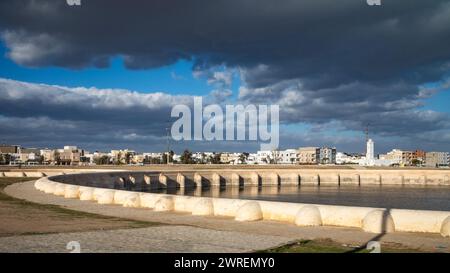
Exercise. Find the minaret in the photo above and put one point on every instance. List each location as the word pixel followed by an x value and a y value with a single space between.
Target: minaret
pixel 370 150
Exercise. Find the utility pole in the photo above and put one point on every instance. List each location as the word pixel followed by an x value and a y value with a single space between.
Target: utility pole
pixel 366 131
pixel 275 156
pixel 168 146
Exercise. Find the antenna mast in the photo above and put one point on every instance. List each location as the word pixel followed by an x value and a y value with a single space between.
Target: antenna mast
pixel 168 146
pixel 366 132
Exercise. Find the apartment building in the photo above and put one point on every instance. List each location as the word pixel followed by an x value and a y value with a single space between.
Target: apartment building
pixel 9 149
pixel 419 156
pixel 122 156
pixel 327 155
pixel 436 159
pixel 230 158
pixel 400 157
pixel 308 155
pixel 70 155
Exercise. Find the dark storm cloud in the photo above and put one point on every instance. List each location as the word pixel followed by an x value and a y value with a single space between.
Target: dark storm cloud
pixel 321 61
pixel 390 109
pixel 53 116
pixel 30 113
pixel 325 42
pixel 117 107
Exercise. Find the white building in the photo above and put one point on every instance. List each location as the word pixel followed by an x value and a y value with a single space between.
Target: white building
pixel 176 158
pixel 264 157
pixel 153 155
pixel 231 158
pixel 202 157
pixel 252 158
pixel 48 156
pixel 343 158
pixel 370 150
pixel 395 155
pixel 289 156
pixel 370 159
pixel 88 158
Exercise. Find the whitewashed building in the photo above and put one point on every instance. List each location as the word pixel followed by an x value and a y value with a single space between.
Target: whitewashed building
pixel 370 160
pixel 343 158
pixel 288 156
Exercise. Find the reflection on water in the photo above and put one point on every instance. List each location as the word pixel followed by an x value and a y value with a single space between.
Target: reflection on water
pixel 402 197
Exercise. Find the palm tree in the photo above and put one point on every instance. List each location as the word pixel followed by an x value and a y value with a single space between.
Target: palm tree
pixel 186 157
pixel 242 158
pixel 215 159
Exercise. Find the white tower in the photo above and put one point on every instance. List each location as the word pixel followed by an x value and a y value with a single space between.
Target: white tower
pixel 370 150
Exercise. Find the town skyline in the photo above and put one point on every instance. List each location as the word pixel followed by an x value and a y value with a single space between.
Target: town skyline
pixel 181 148
pixel 74 155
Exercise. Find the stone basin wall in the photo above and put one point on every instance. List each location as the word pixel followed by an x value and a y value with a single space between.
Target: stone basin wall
pixel 211 177
pixel 376 220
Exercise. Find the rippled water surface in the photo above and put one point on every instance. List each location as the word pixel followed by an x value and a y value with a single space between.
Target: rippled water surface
pixel 402 197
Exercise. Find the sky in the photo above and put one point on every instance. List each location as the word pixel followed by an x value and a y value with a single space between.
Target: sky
pixel 106 74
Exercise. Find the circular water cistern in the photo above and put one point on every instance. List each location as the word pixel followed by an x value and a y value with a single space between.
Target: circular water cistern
pixel 132 201
pixel 105 196
pixel 203 207
pixel 60 189
pixel 71 191
pixel 120 197
pixel 250 211
pixel 148 200
pixel 378 221
pixel 86 193
pixel 39 184
pixel 49 187
pixel 164 203
pixel 308 216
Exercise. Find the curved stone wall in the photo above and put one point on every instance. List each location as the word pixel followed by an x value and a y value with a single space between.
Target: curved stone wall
pixel 111 189
pixel 36 173
pixel 237 176
pixel 270 176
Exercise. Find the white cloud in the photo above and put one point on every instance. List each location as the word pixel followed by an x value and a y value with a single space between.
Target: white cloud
pixel 90 98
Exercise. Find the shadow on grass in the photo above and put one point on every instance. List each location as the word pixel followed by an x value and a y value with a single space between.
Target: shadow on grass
pixel 377 237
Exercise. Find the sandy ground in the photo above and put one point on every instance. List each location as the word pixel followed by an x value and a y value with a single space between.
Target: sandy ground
pixel 166 239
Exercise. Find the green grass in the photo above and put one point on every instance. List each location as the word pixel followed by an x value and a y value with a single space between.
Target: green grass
pixel 329 246
pixel 5 181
